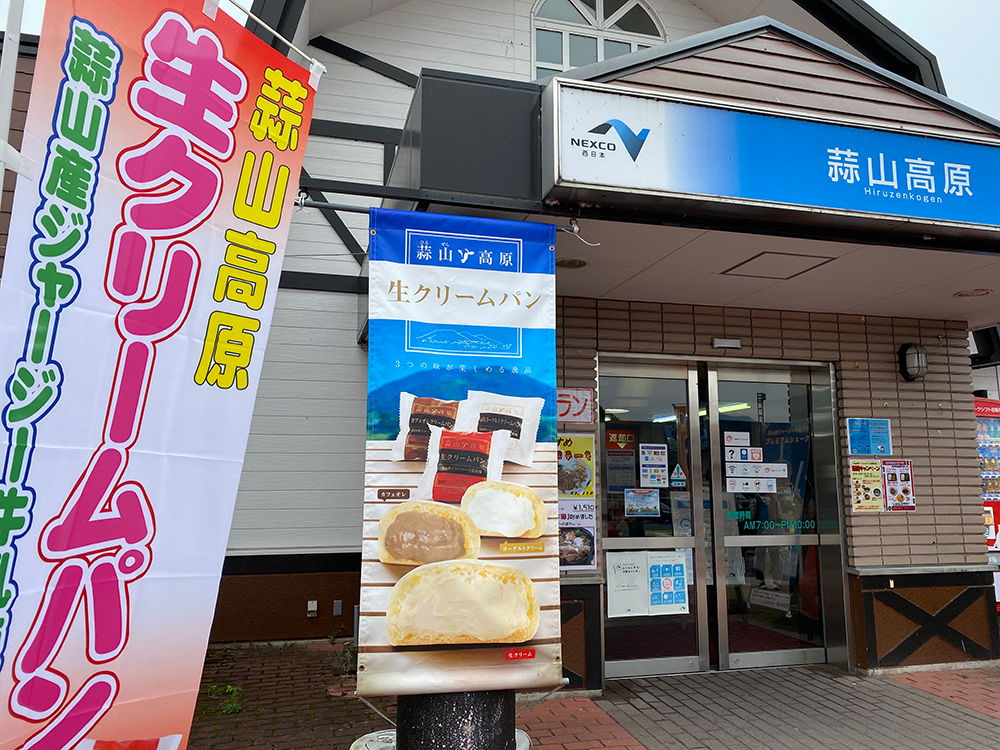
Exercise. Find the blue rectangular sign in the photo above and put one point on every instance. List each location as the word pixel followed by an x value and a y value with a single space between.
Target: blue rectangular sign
pixel 658 145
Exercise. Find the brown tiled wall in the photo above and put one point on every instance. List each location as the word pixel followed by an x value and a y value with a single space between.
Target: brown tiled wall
pixel 932 421
pixel 22 86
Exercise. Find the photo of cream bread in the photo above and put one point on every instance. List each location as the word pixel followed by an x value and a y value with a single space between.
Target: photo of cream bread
pixel 505 509
pixel 417 533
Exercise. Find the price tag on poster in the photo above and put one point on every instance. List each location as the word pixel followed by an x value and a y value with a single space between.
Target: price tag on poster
pixel 867 490
pixel 654 470
pixel 897 476
pixel 577 535
pixel 576 465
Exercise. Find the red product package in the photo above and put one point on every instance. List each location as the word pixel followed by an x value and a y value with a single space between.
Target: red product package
pixel 458 460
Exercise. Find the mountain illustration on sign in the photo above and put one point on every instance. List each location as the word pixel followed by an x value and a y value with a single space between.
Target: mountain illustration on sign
pixel 470 342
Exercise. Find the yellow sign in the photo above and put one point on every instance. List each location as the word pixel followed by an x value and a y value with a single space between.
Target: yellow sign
pixel 576 465
pixel 867 489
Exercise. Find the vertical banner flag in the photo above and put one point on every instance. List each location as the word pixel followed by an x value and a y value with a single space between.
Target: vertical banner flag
pixel 139 282
pixel 460 557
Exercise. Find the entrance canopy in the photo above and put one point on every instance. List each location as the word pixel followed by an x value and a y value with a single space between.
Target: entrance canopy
pixel 751 166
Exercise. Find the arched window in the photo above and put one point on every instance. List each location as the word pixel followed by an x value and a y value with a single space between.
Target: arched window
pixel 571 33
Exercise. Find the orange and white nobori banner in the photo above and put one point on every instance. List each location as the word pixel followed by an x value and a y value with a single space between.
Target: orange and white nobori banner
pixel 139 283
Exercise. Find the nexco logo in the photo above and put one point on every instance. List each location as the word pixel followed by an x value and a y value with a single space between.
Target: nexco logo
pixel 633 142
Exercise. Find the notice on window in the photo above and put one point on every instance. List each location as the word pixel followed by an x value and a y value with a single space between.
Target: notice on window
pixel 647 583
pixel 628 586
pixel 736 438
pixel 869 437
pixel 620 465
pixel 743 454
pixel 654 470
pixel 577 535
pixel 867 490
pixel 642 503
pixel 576 465
pixel 897 475
pixel 667 583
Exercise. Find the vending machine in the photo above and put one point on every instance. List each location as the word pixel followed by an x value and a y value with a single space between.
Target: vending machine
pixel 988 438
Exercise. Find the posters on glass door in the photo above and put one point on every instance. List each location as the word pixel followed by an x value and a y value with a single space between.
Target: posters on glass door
pixel 642 503
pixel 576 465
pixel 620 446
pixel 654 469
pixel 649 582
pixel 577 534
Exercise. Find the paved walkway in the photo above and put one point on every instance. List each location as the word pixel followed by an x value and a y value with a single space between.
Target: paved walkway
pixel 294 697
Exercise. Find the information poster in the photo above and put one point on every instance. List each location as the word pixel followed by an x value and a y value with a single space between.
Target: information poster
pixel 898 478
pixel 736 439
pixel 462 437
pixel 642 503
pixel 139 283
pixel 577 535
pixel 654 469
pixel 576 465
pixel 668 593
pixel 620 467
pixel 867 490
pixel 651 582
pixel 869 437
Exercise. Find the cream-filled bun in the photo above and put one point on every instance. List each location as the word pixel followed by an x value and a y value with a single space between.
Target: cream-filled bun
pixel 462 601
pixel 505 509
pixel 417 533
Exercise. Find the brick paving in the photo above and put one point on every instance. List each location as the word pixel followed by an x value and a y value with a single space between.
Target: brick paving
pixel 296 696
pixel 794 708
pixel 978 689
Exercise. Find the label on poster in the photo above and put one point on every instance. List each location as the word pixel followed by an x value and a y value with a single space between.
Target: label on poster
pixel 575 405
pixel 576 465
pixel 736 438
pixel 654 471
pixel 139 283
pixel 756 470
pixel 743 454
pixel 620 468
pixel 869 437
pixel 761 485
pixel 647 583
pixel 897 475
pixel 642 503
pixel 678 480
pixel 462 414
pixel 577 535
pixel 668 594
pixel 867 489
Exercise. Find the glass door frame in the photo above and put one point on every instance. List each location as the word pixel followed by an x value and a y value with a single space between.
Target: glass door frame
pixel 675 370
pixel 829 537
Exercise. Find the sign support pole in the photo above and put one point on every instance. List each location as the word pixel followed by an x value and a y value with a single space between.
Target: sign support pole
pixel 456 721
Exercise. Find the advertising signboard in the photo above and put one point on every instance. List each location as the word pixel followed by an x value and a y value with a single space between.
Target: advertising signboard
pixel 460 554
pixel 600 137
pixel 139 284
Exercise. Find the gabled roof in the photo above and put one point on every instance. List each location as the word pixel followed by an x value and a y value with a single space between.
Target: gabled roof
pixel 764 64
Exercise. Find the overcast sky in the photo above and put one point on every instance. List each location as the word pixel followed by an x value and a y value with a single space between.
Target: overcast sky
pixel 963 36
pixel 962 33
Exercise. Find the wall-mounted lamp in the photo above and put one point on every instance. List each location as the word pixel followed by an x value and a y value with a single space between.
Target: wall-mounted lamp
pixel 912 361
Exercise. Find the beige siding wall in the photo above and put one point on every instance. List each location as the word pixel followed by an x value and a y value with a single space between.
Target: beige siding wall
pixel 19 111
pixel 932 421
pixel 303 474
pixel 480 37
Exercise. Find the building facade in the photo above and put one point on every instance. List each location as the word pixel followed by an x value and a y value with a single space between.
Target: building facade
pixel 441 107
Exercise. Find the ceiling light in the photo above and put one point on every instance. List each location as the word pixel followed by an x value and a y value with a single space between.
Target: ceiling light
pixel 570 263
pixel 967 292
pixel 722 410
pixel 616 411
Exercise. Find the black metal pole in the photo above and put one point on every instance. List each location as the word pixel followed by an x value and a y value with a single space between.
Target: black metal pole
pixel 456 721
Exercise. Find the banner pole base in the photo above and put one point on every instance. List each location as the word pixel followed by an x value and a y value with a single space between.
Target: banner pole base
pixel 456 721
